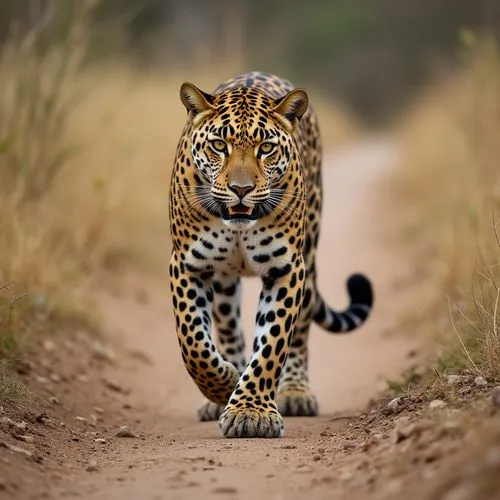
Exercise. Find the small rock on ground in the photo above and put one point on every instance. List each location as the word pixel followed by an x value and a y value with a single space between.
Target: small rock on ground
pixel 125 432
pixel 16 449
pixel 437 404
pixel 92 466
pixel 8 422
pixel 394 404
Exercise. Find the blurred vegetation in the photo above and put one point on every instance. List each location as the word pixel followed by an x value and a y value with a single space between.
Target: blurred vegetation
pixel 38 67
pixel 371 53
pixel 450 180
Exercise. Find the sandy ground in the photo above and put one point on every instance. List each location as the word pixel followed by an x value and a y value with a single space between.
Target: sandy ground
pixel 189 458
pixel 175 457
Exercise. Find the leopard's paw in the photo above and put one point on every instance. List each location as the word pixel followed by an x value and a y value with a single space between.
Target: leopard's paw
pixel 297 403
pixel 210 411
pixel 251 422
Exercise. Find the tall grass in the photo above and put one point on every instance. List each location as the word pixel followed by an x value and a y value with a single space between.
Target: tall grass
pixel 450 180
pixel 35 96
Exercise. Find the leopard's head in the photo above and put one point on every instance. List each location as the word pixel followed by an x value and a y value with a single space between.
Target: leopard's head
pixel 242 145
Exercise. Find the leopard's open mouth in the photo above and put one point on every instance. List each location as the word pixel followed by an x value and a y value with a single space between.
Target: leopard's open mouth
pixel 239 211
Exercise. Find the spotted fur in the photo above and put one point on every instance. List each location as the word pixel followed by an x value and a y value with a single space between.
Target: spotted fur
pixel 245 200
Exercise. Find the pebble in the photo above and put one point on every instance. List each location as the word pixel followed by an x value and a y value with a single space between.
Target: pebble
pixel 103 351
pixel 54 400
pixel 26 439
pixel 225 490
pixel 49 345
pixel 100 440
pixel 348 446
pixel 20 426
pixel 125 432
pixel 303 468
pixel 394 404
pixel 437 403
pixel 92 466
pixel 16 449
pixel 111 384
pixel 80 419
pixel 480 382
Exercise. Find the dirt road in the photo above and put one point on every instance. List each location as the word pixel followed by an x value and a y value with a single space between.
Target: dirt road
pixel 180 458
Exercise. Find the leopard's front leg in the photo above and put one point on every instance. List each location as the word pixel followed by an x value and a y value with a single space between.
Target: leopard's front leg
pixel 252 409
pixel 227 319
pixel 192 298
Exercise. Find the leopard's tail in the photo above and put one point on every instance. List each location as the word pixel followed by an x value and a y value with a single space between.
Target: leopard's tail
pixel 361 303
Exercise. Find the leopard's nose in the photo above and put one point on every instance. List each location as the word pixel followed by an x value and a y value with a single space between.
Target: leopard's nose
pixel 240 190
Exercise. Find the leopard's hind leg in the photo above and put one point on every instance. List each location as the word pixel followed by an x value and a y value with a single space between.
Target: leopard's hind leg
pixel 295 398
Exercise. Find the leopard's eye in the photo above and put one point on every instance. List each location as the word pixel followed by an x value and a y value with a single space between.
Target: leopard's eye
pixel 219 145
pixel 266 148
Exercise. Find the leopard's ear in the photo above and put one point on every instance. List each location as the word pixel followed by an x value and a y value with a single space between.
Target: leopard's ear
pixel 291 107
pixel 195 100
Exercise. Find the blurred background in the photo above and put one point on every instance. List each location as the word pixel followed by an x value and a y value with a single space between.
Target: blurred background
pixel 90 114
pixel 370 54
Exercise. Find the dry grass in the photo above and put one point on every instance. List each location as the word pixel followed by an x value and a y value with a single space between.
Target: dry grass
pixel 450 181
pixel 11 391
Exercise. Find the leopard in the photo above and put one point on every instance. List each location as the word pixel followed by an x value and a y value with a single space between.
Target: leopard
pixel 245 201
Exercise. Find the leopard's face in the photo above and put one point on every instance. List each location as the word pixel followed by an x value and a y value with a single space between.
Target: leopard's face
pixel 242 145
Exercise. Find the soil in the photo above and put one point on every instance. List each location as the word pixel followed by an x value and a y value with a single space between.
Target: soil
pixel 69 442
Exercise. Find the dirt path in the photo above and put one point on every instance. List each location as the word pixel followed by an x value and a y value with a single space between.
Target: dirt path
pixel 178 457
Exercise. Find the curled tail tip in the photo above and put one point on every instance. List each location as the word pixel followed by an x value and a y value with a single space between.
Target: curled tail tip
pixel 361 302
pixel 360 290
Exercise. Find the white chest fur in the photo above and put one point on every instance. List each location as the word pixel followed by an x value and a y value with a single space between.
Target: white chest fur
pixel 242 253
